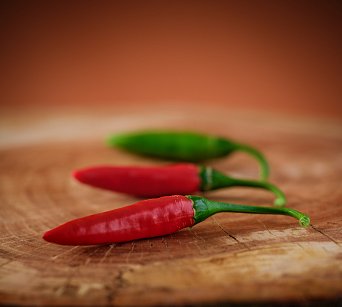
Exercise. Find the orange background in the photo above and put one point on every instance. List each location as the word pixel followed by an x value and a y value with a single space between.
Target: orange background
pixel 280 56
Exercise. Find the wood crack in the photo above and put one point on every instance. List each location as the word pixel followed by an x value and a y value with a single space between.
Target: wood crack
pixel 230 235
pixel 324 234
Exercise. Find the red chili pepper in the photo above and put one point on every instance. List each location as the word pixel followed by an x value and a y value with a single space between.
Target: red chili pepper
pixel 150 218
pixel 173 179
pixel 143 181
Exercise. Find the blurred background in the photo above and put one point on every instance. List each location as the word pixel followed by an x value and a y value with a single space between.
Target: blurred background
pixel 275 56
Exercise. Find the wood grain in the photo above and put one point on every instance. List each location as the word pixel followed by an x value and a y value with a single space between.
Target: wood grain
pixel 230 258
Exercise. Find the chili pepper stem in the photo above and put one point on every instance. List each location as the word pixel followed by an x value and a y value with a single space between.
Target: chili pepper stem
pixel 205 208
pixel 213 179
pixel 280 201
pixel 265 169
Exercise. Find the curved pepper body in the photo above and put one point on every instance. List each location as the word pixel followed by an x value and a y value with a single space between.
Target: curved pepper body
pixel 143 181
pixel 145 219
pixel 179 146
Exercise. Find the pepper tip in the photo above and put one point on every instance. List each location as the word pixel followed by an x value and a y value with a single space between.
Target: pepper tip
pixel 112 140
pixel 46 236
pixel 57 236
pixel 81 175
pixel 76 174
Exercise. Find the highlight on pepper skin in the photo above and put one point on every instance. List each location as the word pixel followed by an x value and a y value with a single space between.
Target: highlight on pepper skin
pixel 156 181
pixel 151 218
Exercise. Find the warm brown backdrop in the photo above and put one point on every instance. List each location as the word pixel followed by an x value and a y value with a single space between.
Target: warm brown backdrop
pixel 274 55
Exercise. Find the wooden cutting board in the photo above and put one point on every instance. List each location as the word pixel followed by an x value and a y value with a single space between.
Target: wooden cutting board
pixel 230 258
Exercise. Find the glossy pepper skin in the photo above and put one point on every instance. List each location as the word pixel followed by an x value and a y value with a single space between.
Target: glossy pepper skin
pixel 150 218
pixel 145 219
pixel 156 181
pixel 152 181
pixel 184 146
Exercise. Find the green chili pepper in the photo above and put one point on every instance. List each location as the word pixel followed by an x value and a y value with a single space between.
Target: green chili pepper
pixel 184 146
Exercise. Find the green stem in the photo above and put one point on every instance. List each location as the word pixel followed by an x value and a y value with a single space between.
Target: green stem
pixel 212 179
pixel 265 169
pixel 205 208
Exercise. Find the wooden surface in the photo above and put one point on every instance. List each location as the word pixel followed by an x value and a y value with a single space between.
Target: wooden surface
pixel 230 258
